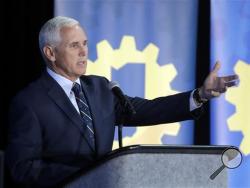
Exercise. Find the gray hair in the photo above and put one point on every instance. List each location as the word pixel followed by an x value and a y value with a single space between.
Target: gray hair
pixel 50 31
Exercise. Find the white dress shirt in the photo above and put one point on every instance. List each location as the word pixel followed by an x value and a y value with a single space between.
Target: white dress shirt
pixel 192 104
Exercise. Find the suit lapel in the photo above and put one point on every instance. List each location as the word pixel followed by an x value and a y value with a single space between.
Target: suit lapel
pixel 57 94
pixel 65 104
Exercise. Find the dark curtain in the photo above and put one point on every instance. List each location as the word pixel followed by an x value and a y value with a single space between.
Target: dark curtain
pixel 202 126
pixel 21 61
pixel 20 57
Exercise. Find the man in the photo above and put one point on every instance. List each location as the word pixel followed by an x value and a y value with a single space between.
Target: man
pixel 64 121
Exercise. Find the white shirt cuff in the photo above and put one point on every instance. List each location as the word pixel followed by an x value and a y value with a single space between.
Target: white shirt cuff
pixel 192 104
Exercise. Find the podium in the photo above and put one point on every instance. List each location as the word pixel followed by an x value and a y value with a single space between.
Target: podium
pixel 146 166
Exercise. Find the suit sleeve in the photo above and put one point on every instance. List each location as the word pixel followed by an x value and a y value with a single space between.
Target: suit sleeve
pixel 169 109
pixel 24 150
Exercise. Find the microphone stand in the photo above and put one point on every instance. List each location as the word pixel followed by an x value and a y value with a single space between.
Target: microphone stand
pixel 128 110
pixel 120 135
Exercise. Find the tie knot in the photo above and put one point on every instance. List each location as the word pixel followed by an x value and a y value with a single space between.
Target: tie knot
pixel 76 88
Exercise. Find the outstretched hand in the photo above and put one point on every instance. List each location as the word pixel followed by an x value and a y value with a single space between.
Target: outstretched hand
pixel 213 85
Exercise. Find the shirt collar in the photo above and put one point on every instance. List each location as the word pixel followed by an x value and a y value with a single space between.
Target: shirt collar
pixel 65 83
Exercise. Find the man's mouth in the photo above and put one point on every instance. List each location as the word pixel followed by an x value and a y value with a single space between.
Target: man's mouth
pixel 82 62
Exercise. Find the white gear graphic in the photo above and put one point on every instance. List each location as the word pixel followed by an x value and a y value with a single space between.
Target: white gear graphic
pixel 239 96
pixel 156 77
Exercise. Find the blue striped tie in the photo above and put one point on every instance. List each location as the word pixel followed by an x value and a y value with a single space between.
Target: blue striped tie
pixel 85 113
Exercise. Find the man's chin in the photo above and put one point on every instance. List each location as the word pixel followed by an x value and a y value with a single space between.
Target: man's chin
pixel 82 73
pixel 82 69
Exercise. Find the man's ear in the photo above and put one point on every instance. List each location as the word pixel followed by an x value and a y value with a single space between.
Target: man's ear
pixel 49 53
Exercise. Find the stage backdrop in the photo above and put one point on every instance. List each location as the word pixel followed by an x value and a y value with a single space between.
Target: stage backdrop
pixel 230 117
pixel 148 47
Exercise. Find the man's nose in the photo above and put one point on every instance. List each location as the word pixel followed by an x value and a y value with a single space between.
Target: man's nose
pixel 83 50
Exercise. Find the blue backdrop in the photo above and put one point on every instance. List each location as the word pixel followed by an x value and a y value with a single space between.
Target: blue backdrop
pixel 230 43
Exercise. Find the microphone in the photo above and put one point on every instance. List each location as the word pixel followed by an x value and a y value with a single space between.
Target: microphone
pixel 128 108
pixel 125 102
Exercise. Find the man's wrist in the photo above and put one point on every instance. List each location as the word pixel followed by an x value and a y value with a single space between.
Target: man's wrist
pixel 197 96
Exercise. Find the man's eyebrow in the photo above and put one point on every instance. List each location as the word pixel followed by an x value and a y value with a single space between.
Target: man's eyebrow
pixel 74 42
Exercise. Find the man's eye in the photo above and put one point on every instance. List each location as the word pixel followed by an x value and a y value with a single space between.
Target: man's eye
pixel 74 45
pixel 78 45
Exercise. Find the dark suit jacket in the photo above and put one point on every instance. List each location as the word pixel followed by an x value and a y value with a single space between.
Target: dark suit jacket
pixel 46 136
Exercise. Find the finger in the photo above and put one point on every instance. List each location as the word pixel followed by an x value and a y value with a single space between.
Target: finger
pixel 216 67
pixel 215 93
pixel 223 90
pixel 231 84
pixel 230 78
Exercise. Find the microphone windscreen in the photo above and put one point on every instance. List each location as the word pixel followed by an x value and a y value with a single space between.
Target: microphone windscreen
pixel 113 84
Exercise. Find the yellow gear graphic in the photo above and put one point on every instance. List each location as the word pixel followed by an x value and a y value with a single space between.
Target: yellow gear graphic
pixel 156 77
pixel 239 96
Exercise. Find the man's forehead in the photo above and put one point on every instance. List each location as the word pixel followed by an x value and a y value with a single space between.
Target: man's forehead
pixel 73 33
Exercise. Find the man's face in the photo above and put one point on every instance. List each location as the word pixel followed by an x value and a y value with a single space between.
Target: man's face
pixel 71 53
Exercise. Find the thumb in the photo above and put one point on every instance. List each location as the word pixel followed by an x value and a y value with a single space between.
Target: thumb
pixel 216 67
